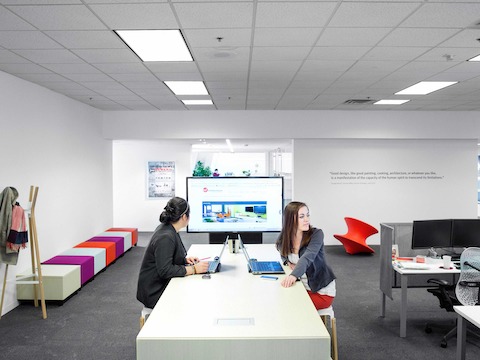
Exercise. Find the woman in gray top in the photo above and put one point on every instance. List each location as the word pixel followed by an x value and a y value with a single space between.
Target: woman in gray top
pixel 166 256
pixel 301 248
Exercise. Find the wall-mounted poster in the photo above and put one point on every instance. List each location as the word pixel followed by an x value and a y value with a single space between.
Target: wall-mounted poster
pixel 161 179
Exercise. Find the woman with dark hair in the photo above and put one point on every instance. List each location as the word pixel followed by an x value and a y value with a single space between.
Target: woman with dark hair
pixel 301 248
pixel 166 256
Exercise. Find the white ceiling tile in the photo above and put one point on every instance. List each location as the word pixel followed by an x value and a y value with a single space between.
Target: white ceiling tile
pixel 72 68
pixel 449 54
pixel 464 38
pixel 106 87
pixel 209 37
pixel 227 84
pixel 417 37
pixel 375 14
pixel 352 37
pixel 224 76
pixel 82 39
pixel 136 16
pixel 88 77
pixel 10 21
pixel 215 15
pixel 279 53
pixel 299 14
pixel 144 77
pixel 27 40
pixel 59 17
pixel 164 76
pixel 42 78
pixel 18 68
pixel 8 57
pixel 50 56
pixel 267 66
pixel 444 15
pixel 210 66
pixel 327 65
pixel 121 68
pixel 222 54
pixel 173 67
pixel 107 55
pixel 338 53
pixel 388 53
pixel 286 36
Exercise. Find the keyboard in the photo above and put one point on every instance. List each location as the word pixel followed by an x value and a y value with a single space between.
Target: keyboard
pixel 413 266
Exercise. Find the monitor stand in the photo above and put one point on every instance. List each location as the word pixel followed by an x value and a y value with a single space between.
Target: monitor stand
pixel 247 237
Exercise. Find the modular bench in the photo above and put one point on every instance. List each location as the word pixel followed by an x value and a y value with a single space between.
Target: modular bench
pixel 65 273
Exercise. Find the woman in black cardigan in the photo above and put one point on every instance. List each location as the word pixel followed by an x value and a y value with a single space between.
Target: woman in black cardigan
pixel 166 256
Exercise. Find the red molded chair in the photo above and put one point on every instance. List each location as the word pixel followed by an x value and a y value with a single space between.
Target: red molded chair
pixel 355 240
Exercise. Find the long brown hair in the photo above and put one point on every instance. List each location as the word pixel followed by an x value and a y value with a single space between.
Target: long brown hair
pixel 284 242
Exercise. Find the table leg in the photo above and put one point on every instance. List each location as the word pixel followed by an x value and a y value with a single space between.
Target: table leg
pixel 403 306
pixel 461 337
pixel 383 301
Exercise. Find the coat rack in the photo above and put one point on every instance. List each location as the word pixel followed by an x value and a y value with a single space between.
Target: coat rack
pixel 35 278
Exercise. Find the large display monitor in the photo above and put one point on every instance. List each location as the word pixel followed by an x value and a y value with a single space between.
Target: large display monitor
pixel 431 233
pixel 465 232
pixel 235 204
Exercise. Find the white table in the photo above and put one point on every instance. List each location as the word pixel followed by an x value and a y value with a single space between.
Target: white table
pixel 234 315
pixel 435 269
pixel 471 314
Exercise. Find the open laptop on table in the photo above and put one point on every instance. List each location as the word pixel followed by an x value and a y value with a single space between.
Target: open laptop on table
pixel 214 265
pixel 262 267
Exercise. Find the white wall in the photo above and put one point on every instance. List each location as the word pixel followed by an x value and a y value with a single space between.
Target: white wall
pixel 381 181
pixel 53 142
pixel 130 158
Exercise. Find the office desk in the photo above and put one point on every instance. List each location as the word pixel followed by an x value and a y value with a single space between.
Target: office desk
pixel 472 314
pixel 434 269
pixel 234 315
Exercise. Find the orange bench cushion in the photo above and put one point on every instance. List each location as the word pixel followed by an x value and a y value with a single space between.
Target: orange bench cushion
pixel 108 246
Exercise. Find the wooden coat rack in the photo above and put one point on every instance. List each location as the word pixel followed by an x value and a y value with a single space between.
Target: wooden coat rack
pixel 35 278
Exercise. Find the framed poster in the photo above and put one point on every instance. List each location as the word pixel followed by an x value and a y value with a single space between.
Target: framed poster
pixel 161 179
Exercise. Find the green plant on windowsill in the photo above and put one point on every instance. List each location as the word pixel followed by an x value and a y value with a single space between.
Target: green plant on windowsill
pixel 201 169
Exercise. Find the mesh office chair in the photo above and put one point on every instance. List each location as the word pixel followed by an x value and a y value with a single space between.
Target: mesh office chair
pixel 465 292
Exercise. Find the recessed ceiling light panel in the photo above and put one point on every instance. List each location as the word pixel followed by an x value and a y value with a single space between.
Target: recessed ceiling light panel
pixel 156 45
pixel 425 87
pixel 476 58
pixel 390 102
pixel 198 102
pixel 187 87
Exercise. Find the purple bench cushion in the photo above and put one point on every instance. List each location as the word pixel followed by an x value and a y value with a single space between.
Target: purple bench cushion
pixel 119 247
pixel 86 263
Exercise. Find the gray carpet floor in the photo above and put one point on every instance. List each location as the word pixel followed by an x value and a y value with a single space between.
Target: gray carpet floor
pixel 101 321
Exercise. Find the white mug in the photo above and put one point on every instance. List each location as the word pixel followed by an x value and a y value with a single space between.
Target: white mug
pixel 447 261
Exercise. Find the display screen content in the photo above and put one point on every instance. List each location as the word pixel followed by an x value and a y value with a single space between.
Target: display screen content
pixel 235 204
pixel 431 233
pixel 465 232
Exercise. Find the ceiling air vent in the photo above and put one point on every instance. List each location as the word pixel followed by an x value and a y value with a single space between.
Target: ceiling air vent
pixel 359 101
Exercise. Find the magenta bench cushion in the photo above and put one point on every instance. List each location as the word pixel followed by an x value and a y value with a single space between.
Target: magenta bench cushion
pixel 86 263
pixel 119 247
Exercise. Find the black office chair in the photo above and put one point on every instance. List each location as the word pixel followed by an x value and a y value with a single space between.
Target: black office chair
pixel 464 292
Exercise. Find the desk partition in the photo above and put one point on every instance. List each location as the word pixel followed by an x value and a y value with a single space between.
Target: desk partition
pixel 234 315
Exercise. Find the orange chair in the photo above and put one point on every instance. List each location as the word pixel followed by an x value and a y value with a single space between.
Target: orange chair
pixel 355 240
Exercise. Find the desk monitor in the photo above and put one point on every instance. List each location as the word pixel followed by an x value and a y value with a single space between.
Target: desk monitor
pixel 235 204
pixel 431 233
pixel 466 232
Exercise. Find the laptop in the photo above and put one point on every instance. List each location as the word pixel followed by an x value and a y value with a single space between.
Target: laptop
pixel 214 265
pixel 262 267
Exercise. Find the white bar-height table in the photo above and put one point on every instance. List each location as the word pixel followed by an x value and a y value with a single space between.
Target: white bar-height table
pixel 433 269
pixel 233 315
pixel 472 315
